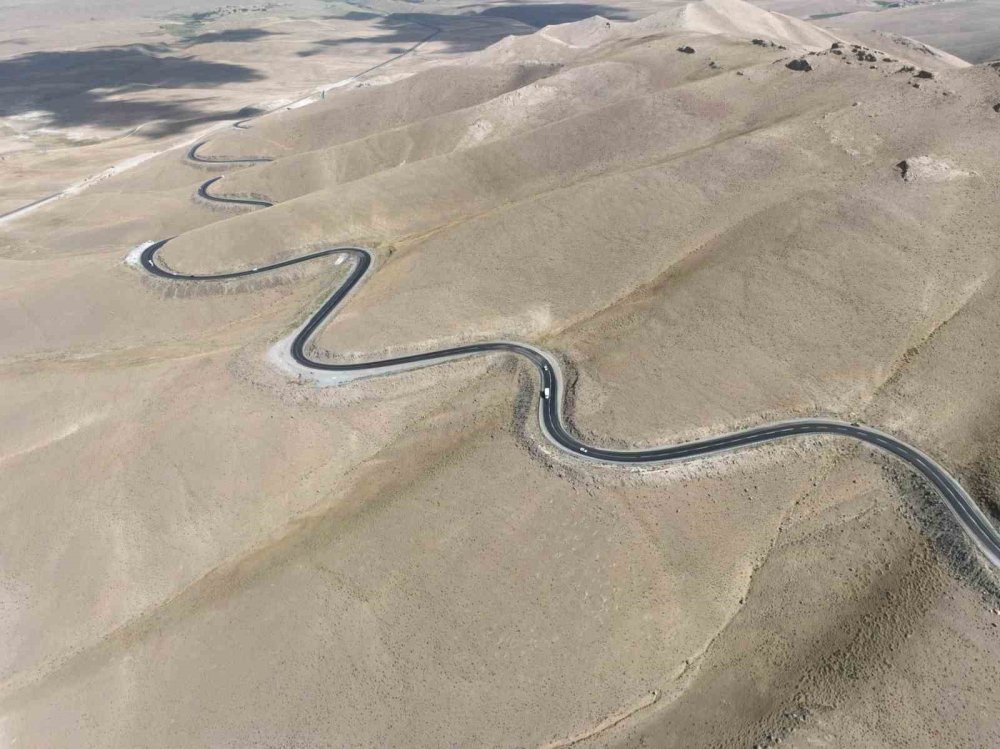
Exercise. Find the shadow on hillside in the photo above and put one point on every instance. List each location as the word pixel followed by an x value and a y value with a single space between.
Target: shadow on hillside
pixel 505 20
pixel 546 14
pixel 72 88
pixel 229 35
pixel 87 87
pixel 358 15
pixel 174 127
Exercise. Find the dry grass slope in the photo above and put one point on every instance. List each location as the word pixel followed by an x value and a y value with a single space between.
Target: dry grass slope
pixel 198 551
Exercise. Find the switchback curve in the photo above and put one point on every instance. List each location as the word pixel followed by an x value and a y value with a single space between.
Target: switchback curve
pixel 206 195
pixel 192 155
pixel 550 405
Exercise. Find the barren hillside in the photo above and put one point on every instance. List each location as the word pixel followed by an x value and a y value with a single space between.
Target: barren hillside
pixel 713 217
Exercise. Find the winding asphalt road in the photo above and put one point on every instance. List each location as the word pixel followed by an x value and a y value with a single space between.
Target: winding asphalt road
pixel 550 408
pixel 205 194
pixel 192 154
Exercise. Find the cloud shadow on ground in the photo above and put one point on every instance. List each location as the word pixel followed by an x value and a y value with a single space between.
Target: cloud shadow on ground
pixel 87 87
pixel 524 18
pixel 229 35
pixel 79 87
pixel 546 14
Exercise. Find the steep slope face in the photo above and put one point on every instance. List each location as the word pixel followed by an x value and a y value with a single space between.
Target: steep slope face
pixel 203 551
pixel 739 19
pixel 968 29
pixel 356 113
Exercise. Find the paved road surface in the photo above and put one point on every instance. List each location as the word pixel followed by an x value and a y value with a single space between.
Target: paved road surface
pixel 204 193
pixel 970 517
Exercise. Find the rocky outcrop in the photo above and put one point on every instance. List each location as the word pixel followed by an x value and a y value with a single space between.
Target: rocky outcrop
pixel 929 169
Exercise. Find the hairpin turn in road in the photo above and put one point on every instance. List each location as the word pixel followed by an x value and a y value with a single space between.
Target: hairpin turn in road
pixel 970 517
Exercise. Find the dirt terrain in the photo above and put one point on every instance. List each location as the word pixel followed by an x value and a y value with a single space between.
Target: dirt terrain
pixel 969 29
pixel 199 550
